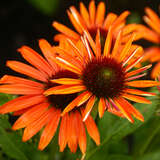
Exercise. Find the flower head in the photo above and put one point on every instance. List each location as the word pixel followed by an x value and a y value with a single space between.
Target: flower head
pixel 152 54
pixel 94 19
pixel 104 75
pixel 38 111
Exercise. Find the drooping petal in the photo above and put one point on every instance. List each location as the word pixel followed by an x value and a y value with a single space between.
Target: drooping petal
pixel 30 116
pixel 49 130
pixel 81 133
pixel 92 129
pixel 63 132
pixel 73 132
pixel 37 125
pixel 21 103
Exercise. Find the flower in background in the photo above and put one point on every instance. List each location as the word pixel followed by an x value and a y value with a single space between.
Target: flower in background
pixel 94 19
pixel 152 54
pixel 38 111
pixel 104 75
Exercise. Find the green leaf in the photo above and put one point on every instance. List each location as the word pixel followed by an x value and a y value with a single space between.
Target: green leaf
pixel 115 128
pixel 151 156
pixel 144 136
pixel 10 142
pixel 119 157
pixel 5 98
pixel 46 6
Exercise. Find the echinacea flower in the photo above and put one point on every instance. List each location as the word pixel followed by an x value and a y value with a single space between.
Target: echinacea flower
pixel 38 111
pixel 94 19
pixel 152 54
pixel 104 76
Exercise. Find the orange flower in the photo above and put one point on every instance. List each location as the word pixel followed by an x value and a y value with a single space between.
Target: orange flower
pixel 103 76
pixel 152 54
pixel 36 110
pixel 92 20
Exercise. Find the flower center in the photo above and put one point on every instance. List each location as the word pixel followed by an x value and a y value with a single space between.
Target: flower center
pixel 61 101
pixel 104 77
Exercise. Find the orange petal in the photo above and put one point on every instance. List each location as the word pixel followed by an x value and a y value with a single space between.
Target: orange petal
pixel 92 11
pixel 21 103
pixel 63 131
pixel 138 70
pixel 26 70
pixel 156 71
pixel 89 107
pixel 142 83
pixel 65 89
pixel 136 98
pixel 49 130
pixel 18 80
pixel 20 89
pixel 132 64
pixel 108 43
pixel 98 44
pixel 126 48
pixel 85 14
pixel 35 59
pixel 37 125
pixel 116 45
pixel 76 102
pixel 30 116
pixel 20 112
pixel 92 129
pixel 48 53
pixel 123 109
pixel 131 109
pixel 100 14
pixel 74 22
pixel 111 17
pixel 152 15
pixel 101 107
pixel 68 81
pixel 65 30
pixel 81 133
pixel 72 132
pixel 80 21
pixel 120 19
pixel 139 92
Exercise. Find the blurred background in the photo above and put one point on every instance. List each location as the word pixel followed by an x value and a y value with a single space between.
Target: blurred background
pixel 23 22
